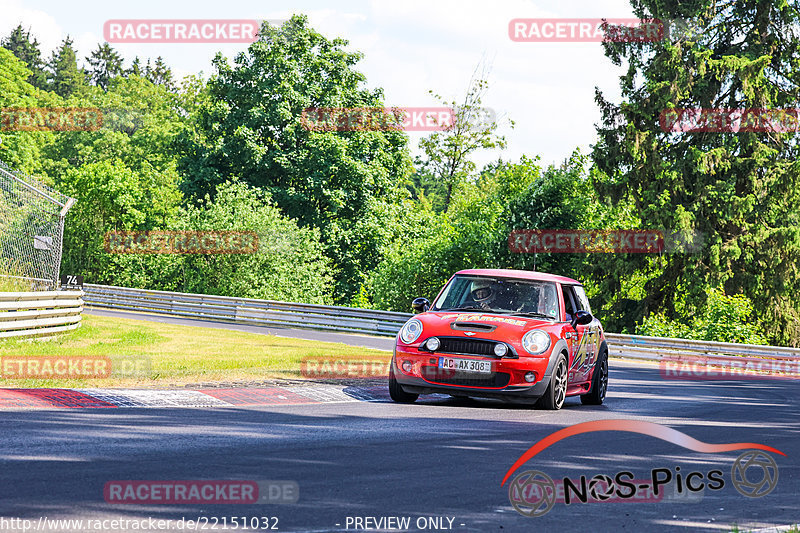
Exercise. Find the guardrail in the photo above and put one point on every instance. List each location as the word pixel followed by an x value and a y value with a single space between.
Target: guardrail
pixel 353 320
pixel 247 310
pixel 687 356
pixel 24 314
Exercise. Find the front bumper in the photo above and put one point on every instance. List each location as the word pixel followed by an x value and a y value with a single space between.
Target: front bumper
pixel 506 382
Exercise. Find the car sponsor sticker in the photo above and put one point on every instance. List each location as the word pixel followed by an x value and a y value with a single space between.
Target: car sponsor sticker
pixel 485 318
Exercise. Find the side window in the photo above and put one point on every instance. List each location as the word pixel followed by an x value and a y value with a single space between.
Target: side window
pixel 582 301
pixel 569 305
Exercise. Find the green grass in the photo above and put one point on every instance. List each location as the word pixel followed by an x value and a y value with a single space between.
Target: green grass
pixel 13 284
pixel 176 355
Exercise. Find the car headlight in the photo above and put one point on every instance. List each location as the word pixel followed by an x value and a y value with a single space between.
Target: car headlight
pixel 411 331
pixel 536 342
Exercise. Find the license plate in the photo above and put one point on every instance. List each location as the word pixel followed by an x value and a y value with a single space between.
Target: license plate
pixel 466 365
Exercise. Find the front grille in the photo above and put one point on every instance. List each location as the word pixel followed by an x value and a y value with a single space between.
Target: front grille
pixel 466 346
pixel 495 380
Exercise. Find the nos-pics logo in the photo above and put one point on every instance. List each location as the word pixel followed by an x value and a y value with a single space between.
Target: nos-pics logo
pixel 533 493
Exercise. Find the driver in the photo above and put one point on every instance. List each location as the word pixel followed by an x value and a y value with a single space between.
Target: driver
pixel 483 294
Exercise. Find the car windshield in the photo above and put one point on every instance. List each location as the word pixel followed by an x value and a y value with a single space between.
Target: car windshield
pixel 499 295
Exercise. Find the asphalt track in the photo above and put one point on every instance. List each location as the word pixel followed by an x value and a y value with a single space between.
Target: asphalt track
pixel 441 458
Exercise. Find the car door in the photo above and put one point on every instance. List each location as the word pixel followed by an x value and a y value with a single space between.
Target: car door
pixel 584 346
pixel 576 348
pixel 589 336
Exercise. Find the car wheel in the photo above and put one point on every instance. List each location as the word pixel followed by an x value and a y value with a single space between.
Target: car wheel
pixel 556 392
pixel 396 391
pixel 599 382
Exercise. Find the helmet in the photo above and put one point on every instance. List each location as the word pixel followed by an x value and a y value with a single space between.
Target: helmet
pixel 482 291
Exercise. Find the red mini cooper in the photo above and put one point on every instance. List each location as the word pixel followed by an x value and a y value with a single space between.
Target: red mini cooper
pixel 509 334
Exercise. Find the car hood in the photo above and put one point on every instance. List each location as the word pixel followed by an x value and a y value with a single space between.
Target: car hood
pixel 492 325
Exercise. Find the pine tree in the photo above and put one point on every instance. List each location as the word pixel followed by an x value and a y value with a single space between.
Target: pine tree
pixel 104 65
pixel 738 190
pixel 160 73
pixel 135 68
pixel 65 77
pixel 20 44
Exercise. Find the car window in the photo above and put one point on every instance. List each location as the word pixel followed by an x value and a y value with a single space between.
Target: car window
pixel 502 295
pixel 569 306
pixel 582 301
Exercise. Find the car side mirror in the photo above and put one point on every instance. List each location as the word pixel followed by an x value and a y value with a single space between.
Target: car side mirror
pixel 420 305
pixel 581 318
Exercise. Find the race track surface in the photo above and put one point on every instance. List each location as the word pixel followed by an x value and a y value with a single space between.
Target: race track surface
pixel 359 455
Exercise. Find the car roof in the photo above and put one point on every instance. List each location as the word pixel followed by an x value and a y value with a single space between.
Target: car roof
pixel 520 274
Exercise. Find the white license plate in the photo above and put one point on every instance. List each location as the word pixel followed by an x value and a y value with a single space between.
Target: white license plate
pixel 466 365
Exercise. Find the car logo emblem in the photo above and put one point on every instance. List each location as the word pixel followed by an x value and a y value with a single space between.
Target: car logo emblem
pixel 470 333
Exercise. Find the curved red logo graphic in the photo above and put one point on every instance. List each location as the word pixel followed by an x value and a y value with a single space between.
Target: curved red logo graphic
pixel 634 426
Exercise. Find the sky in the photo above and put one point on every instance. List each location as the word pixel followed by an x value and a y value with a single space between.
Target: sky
pixel 410 47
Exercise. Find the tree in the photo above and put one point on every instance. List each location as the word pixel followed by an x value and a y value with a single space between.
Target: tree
pixel 20 44
pixel 338 181
pixel 739 190
pixel 289 263
pixel 159 73
pixel 135 68
pixel 21 149
pixel 65 77
pixel 447 164
pixel 104 65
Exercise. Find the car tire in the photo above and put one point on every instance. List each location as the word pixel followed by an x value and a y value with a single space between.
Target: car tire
pixel 396 392
pixel 556 393
pixel 599 382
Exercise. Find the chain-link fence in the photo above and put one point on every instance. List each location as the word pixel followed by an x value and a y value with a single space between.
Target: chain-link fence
pixel 31 230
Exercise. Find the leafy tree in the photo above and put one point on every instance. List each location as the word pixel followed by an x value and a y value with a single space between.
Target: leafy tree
pixel 723 319
pixel 104 65
pixel 20 44
pixel 446 163
pixel 739 190
pixel 64 76
pixel 141 122
pixel 21 149
pixel 336 181
pixel 112 196
pixel 289 264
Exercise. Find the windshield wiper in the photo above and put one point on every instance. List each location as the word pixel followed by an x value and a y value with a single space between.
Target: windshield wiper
pixel 534 315
pixel 465 309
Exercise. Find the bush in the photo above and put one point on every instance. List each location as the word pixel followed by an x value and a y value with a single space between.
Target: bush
pixel 723 319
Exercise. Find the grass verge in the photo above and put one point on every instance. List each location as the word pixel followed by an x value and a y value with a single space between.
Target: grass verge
pixel 170 355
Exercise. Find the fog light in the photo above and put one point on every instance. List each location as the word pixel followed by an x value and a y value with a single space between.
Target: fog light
pixel 433 344
pixel 407 366
pixel 500 350
pixel 530 377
